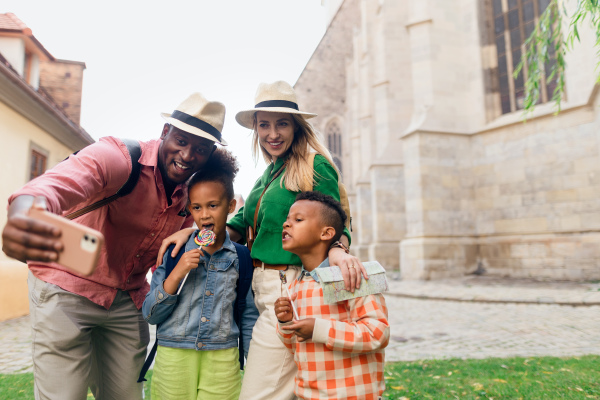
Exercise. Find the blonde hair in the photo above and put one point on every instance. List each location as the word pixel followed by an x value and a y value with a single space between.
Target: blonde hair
pixel 298 175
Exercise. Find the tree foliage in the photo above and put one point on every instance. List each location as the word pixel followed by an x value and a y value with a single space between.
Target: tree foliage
pixel 545 49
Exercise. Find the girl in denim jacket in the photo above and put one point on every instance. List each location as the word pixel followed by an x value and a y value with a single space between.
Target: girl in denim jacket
pixel 197 356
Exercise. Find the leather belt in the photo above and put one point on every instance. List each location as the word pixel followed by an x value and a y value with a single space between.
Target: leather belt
pixel 260 264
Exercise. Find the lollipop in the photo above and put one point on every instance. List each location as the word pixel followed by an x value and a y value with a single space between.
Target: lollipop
pixel 284 283
pixel 205 238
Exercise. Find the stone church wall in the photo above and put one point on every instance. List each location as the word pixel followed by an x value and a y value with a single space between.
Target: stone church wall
pixel 538 196
pixel 441 184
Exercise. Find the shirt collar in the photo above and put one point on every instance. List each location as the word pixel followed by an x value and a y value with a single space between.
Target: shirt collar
pixel 313 273
pixel 275 166
pixel 228 244
pixel 149 158
pixel 150 153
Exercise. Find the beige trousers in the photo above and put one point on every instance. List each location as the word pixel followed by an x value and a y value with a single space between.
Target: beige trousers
pixel 270 368
pixel 77 343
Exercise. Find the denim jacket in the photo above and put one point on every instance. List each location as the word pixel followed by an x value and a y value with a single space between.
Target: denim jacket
pixel 201 316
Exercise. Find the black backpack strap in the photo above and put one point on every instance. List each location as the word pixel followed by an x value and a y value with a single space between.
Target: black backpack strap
pixel 170 264
pixel 135 152
pixel 148 362
pixel 243 286
pixel 172 261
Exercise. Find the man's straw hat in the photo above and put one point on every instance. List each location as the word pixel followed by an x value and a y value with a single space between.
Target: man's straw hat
pixel 200 117
pixel 272 97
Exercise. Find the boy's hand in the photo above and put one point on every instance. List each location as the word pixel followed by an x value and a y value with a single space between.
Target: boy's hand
pixel 303 329
pixel 283 308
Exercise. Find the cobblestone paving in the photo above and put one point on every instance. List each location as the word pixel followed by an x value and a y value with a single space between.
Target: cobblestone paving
pixel 428 329
pixel 15 345
pixel 492 289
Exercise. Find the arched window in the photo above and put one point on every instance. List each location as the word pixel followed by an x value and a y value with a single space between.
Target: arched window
pixel 513 22
pixel 334 142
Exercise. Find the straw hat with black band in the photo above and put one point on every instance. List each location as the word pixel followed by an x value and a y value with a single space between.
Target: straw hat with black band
pixel 272 97
pixel 200 117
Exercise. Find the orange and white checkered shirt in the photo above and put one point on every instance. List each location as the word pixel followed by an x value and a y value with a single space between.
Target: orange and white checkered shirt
pixel 345 358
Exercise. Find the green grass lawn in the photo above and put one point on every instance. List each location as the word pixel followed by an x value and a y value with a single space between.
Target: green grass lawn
pixel 20 387
pixel 513 378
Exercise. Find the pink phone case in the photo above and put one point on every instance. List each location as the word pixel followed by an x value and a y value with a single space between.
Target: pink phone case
pixel 82 245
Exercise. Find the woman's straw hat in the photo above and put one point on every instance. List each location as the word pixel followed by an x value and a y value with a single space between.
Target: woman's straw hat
pixel 200 117
pixel 272 97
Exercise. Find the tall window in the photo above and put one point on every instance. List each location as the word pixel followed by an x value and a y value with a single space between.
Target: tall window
pixel 334 143
pixel 514 20
pixel 38 164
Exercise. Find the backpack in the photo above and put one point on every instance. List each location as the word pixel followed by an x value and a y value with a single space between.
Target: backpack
pixel 242 287
pixel 343 194
pixel 135 152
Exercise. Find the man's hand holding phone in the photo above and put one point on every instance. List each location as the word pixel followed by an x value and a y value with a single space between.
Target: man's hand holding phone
pixel 34 234
pixel 26 238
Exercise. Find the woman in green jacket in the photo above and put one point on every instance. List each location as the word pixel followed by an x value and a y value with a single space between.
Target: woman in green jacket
pixel 285 139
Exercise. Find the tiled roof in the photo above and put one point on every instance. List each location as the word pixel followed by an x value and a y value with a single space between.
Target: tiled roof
pixel 72 133
pixel 10 24
pixel 75 135
pixel 9 21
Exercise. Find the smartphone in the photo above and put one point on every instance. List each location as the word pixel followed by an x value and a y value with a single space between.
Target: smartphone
pixel 81 245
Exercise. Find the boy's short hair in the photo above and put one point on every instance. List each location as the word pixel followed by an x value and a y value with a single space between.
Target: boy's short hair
pixel 222 167
pixel 331 210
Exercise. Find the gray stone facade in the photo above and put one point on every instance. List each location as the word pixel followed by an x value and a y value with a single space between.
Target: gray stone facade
pixel 441 183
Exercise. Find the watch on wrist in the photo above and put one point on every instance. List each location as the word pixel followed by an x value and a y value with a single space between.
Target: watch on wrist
pixel 340 245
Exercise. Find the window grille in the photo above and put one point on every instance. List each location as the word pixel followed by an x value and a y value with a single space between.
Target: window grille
pixel 514 21
pixel 38 164
pixel 334 143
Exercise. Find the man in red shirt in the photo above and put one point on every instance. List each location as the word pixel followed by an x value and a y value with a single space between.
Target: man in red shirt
pixel 90 331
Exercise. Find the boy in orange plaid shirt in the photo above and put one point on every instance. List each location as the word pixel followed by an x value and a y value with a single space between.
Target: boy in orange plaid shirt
pixel 339 347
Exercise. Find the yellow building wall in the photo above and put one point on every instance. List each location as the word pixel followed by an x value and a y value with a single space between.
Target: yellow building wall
pixel 18 134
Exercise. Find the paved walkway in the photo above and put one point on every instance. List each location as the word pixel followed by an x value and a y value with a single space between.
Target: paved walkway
pixel 472 317
pixel 480 317
pixel 483 289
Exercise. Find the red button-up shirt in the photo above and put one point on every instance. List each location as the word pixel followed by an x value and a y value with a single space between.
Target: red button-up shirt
pixel 133 226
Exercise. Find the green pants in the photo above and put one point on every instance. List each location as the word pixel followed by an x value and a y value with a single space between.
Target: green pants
pixel 186 374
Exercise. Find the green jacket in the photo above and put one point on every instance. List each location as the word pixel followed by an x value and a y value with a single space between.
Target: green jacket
pixel 274 208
